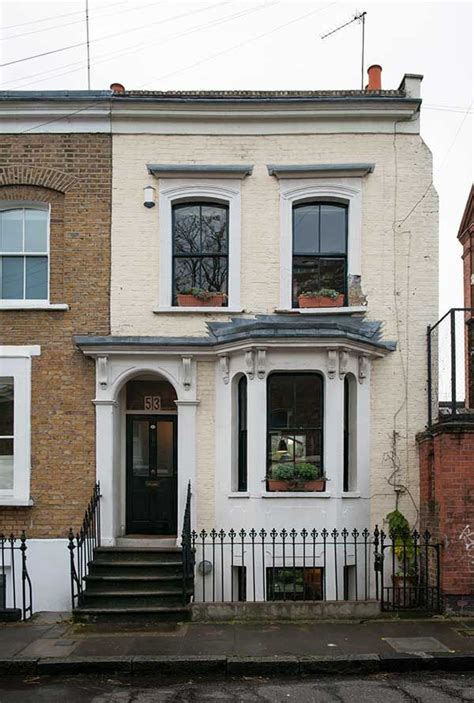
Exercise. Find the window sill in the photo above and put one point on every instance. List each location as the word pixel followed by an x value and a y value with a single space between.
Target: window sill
pixel 350 494
pixel 176 309
pixel 26 305
pixel 239 494
pixel 296 494
pixel 324 311
pixel 16 502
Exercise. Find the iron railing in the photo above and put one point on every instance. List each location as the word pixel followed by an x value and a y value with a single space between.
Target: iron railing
pixel 81 546
pixel 450 348
pixel 188 551
pixel 315 565
pixel 12 606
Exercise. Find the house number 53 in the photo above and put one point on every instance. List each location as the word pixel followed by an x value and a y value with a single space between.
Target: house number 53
pixel 152 402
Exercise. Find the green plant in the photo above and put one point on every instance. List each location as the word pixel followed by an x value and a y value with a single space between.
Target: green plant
pixel 299 473
pixel 307 472
pixel 324 292
pixel 284 472
pixel 400 533
pixel 201 293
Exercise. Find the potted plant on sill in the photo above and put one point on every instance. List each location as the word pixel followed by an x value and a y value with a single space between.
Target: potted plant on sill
pixel 199 297
pixel 321 298
pixel 297 477
pixel 405 578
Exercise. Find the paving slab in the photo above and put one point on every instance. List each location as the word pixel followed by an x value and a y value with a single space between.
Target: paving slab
pixel 413 645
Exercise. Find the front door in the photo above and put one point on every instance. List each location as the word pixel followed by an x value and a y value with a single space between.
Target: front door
pixel 151 475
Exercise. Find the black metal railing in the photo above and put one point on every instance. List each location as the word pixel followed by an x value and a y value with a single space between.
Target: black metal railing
pixel 315 565
pixel 188 551
pixel 450 349
pixel 81 546
pixel 13 569
pixel 413 570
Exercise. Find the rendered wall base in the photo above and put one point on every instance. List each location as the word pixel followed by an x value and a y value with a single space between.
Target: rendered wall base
pixel 288 610
pixel 48 567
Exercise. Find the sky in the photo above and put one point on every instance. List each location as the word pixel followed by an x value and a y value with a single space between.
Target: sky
pixel 265 44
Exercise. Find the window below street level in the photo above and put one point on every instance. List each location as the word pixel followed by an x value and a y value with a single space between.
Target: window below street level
pixel 200 254
pixel 319 254
pixel 294 583
pixel 24 252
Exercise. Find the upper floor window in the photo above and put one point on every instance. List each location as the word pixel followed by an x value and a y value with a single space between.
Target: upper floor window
pixel 200 254
pixel 24 253
pixel 319 254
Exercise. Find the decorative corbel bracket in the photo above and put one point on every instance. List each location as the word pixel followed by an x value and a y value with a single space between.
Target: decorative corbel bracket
pixel 343 362
pixel 363 368
pixel 187 372
pixel 261 362
pixel 332 363
pixel 250 363
pixel 224 361
pixel 103 371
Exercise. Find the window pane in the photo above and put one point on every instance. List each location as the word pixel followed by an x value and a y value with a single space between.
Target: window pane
pixel 150 396
pixel 333 229
pixel 214 229
pixel 308 447
pixel 12 277
pixel 36 230
pixel 6 407
pixel 11 230
pixel 305 275
pixel 36 277
pixel 187 274
pixel 306 229
pixel 214 273
pixel 6 464
pixel 280 401
pixel 308 398
pixel 187 229
pixel 332 274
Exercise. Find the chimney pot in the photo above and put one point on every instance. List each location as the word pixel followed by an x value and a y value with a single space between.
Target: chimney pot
pixel 375 77
pixel 117 88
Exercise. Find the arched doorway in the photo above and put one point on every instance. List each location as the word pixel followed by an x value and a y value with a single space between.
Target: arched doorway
pixel 151 456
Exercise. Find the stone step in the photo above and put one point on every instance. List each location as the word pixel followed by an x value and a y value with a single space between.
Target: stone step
pixel 138 554
pixel 113 583
pixel 107 568
pixel 133 615
pixel 140 599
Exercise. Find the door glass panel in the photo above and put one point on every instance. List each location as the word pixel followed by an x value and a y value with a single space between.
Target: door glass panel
pixel 164 449
pixel 140 448
pixel 150 396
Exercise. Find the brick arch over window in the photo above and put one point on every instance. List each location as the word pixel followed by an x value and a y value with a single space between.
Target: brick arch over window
pixel 50 178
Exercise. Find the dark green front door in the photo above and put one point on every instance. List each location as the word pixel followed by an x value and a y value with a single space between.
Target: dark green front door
pixel 151 475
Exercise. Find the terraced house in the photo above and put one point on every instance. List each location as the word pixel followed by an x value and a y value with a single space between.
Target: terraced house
pixel 262 362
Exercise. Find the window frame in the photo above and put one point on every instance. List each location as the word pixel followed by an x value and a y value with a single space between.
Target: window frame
pixel 321 256
pixel 319 429
pixel 173 191
pixel 16 363
pixel 28 205
pixel 242 436
pixel 174 256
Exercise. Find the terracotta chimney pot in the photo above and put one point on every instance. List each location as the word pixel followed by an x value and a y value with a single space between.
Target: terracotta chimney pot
pixel 117 88
pixel 375 77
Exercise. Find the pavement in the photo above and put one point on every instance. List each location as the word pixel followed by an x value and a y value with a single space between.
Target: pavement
pixel 50 643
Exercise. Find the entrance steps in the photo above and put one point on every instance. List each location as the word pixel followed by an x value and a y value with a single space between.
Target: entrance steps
pixel 129 584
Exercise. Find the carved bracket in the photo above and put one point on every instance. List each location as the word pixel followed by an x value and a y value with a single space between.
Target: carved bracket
pixel 250 363
pixel 363 368
pixel 224 361
pixel 187 372
pixel 343 362
pixel 261 362
pixel 332 363
pixel 103 371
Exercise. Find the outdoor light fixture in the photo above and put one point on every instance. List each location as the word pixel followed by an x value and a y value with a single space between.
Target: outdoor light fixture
pixel 205 567
pixel 282 446
pixel 149 194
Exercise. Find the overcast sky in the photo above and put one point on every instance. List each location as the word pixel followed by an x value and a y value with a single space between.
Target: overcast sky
pixel 266 44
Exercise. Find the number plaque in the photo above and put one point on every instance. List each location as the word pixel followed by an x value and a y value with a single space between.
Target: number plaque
pixel 152 402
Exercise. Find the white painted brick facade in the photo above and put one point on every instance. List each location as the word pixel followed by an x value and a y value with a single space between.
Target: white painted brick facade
pixel 399 273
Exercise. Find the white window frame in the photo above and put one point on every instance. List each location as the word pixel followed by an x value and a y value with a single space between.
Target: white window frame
pixel 294 191
pixel 173 192
pixel 28 205
pixel 15 362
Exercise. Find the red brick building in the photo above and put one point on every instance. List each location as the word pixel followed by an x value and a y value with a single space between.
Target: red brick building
pixel 447 462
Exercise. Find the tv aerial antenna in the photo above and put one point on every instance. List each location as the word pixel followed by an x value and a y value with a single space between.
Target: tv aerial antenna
pixel 358 17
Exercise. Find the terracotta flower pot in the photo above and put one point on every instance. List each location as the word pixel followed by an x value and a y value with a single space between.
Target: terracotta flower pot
pixel 186 300
pixel 316 486
pixel 320 301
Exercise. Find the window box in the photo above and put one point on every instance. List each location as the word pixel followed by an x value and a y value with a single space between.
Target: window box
pixel 187 300
pixel 320 301
pixel 316 486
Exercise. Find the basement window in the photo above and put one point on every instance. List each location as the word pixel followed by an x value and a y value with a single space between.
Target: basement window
pixel 294 583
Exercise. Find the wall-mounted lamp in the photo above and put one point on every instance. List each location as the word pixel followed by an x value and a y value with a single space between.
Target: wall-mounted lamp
pixel 149 195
